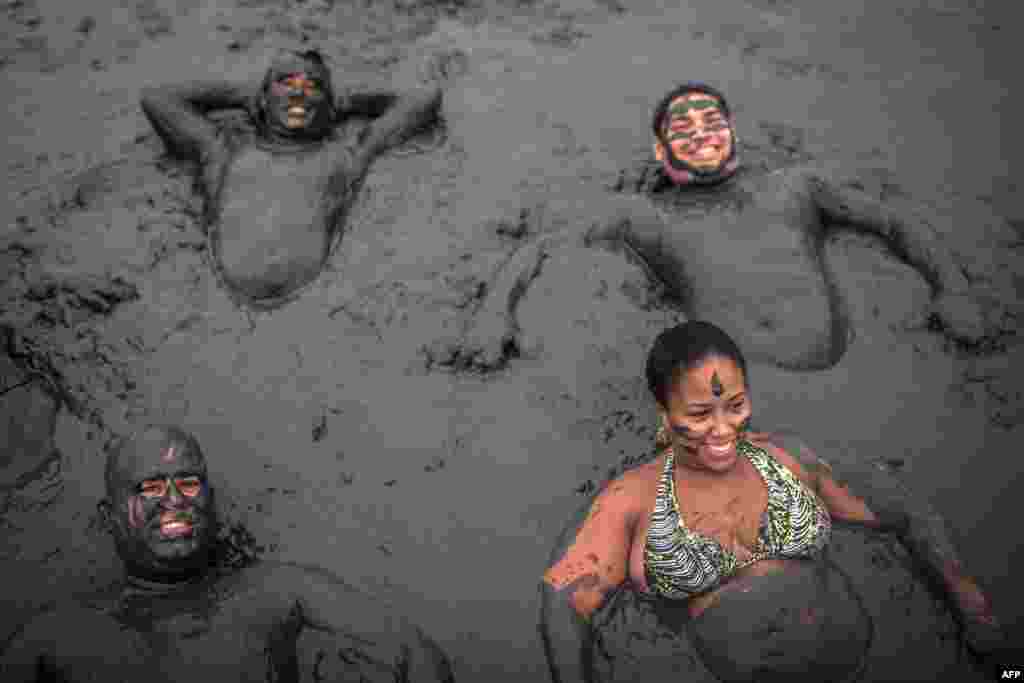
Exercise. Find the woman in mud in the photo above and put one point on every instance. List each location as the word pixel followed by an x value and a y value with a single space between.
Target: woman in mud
pixel 743 247
pixel 731 526
pixel 276 199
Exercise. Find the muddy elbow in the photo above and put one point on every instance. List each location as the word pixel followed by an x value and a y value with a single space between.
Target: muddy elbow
pixel 581 597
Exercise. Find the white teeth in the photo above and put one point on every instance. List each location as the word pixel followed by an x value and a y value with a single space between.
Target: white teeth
pixel 297 111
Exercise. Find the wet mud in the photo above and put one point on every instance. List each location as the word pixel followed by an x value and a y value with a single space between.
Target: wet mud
pixel 872 602
pixel 362 426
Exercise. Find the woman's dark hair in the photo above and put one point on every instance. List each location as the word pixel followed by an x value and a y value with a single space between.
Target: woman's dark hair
pixel 684 347
pixel 661 111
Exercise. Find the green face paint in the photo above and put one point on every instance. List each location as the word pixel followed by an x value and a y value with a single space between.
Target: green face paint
pixel 716 385
pixel 712 123
pixel 716 127
pixel 684 108
pixel 681 135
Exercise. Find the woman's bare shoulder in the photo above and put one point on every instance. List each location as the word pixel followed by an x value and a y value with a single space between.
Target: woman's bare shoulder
pixel 637 485
pixel 788 450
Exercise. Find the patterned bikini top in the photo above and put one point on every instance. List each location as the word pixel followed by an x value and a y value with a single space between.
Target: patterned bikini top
pixel 680 563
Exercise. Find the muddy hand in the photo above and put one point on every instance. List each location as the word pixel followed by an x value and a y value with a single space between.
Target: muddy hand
pixel 986 641
pixel 983 633
pixel 958 315
pixel 486 347
pixel 490 343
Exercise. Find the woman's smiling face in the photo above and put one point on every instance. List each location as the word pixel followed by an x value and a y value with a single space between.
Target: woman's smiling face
pixel 706 413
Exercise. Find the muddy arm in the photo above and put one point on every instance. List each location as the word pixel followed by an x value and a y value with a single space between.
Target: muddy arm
pixel 907 233
pixel 341 627
pixel 403 116
pixel 567 636
pixel 876 498
pixel 965 316
pixel 514 277
pixel 367 104
pixel 873 496
pixel 178 114
pixel 492 336
pixel 588 563
pixel 631 223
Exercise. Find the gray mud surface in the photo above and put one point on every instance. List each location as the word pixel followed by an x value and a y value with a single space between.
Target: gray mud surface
pixel 333 438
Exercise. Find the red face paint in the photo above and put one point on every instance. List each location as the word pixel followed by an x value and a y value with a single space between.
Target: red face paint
pixel 296 81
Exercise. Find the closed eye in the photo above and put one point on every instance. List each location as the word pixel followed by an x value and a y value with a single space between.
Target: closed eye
pixel 153 488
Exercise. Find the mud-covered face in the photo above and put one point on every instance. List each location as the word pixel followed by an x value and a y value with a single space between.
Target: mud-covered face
pixel 162 504
pixel 707 412
pixel 297 99
pixel 696 132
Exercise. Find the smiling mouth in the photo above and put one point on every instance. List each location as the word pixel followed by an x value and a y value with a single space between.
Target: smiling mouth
pixel 707 149
pixel 172 525
pixel 296 111
pixel 720 451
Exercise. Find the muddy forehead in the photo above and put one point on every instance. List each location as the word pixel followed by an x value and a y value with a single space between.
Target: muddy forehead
pixel 717 378
pixel 293 64
pixel 158 452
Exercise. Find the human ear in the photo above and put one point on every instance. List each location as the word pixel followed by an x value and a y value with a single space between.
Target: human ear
pixel 659 150
pixel 663 416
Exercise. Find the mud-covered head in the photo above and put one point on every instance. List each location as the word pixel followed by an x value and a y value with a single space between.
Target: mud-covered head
pixel 694 136
pixel 297 97
pixel 698 377
pixel 159 505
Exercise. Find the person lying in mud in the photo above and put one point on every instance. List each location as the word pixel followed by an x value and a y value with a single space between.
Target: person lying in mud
pixel 730 525
pixel 742 248
pixel 177 618
pixel 277 198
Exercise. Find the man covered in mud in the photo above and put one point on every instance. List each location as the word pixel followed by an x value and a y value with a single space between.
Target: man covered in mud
pixel 276 196
pixel 176 617
pixel 740 247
